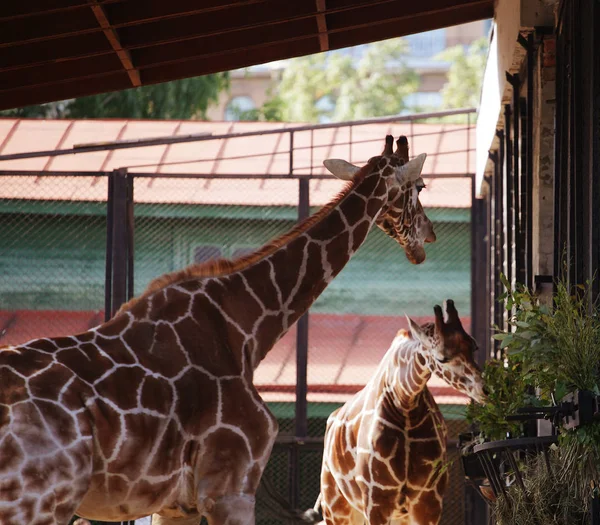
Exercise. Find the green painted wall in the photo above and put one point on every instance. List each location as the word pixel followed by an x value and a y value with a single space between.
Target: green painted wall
pixel 52 256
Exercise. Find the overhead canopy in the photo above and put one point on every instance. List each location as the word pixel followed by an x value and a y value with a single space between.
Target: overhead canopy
pixel 59 49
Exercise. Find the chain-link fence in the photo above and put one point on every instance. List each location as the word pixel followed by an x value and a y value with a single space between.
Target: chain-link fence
pixel 196 206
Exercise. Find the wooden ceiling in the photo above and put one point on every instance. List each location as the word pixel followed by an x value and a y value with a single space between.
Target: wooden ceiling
pixel 59 49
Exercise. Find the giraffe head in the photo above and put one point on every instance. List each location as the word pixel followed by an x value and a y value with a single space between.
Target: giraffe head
pixel 450 351
pixel 402 217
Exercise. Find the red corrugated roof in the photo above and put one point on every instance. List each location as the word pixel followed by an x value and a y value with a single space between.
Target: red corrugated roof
pixel 344 350
pixel 257 155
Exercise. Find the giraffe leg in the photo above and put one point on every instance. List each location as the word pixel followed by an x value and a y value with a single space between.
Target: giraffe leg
pixel 334 506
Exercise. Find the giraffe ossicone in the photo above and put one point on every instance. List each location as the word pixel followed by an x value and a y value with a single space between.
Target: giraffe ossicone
pixel 155 411
pixel 384 458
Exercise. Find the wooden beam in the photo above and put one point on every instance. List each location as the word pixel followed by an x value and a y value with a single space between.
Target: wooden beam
pixel 322 25
pixel 113 38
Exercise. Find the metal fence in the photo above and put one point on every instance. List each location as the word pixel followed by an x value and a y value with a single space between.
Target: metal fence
pixel 76 245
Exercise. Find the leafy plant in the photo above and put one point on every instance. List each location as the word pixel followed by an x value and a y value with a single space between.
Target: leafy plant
pixel 507 391
pixel 549 350
pixel 180 99
pixel 559 346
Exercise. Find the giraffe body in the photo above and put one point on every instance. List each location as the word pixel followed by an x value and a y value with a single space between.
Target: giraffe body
pixel 385 450
pixel 155 410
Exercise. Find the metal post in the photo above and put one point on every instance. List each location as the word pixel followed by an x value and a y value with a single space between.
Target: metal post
pixel 529 162
pixel 109 250
pixel 509 195
pixel 301 408
pixel 519 259
pixel 595 510
pixel 302 328
pixel 302 333
pixel 499 204
pixel 130 236
pixel 120 240
pixel 475 507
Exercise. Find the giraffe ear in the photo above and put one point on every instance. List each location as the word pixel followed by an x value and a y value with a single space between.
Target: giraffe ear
pixel 341 169
pixel 417 332
pixel 411 171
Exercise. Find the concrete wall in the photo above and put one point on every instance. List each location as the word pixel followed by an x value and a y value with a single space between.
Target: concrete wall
pixel 543 159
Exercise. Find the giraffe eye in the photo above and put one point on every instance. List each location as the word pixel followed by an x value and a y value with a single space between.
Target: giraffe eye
pixel 420 187
pixel 443 360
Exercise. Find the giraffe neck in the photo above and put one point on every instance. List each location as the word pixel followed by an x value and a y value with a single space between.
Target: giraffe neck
pixel 407 372
pixel 284 284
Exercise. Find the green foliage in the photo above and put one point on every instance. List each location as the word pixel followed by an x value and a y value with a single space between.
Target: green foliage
pixel 465 75
pixel 559 346
pixel 180 99
pixel 555 350
pixel 334 86
pixel 506 393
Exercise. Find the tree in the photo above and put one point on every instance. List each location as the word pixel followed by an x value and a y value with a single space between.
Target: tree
pixel 335 86
pixel 465 75
pixel 180 99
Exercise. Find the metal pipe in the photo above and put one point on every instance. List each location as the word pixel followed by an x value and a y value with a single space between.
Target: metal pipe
pixel 152 175
pixel 86 148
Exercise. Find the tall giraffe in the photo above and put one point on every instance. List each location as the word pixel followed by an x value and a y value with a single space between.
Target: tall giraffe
pixel 385 449
pixel 155 411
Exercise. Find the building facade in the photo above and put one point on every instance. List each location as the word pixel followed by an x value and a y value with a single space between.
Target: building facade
pixel 250 87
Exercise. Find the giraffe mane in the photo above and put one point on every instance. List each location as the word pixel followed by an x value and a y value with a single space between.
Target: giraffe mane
pixel 222 266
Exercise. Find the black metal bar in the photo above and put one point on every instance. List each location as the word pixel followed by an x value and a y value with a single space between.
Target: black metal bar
pixel 109 249
pixel 120 240
pixel 577 147
pixel 586 87
pixel 130 236
pixel 475 505
pixel 523 252
pixel 490 283
pixel 560 150
pixel 493 477
pixel 495 289
pixel 595 509
pixel 519 259
pixel 517 472
pixel 509 195
pixel 302 332
pixel 479 268
pixel 86 148
pixel 500 228
pixel 595 166
pixel 529 162
pixel 301 412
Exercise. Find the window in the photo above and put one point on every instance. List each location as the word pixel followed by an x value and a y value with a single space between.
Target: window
pixel 427 44
pixel 238 107
pixel 206 253
pixel 423 100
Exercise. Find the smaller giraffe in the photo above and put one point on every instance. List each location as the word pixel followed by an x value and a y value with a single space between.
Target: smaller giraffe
pixel 385 449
